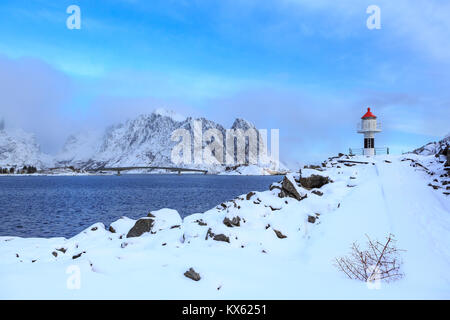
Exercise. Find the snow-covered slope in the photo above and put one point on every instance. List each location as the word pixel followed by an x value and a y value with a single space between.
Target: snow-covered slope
pixel 144 141
pixel 433 148
pixel 276 244
pixel 19 148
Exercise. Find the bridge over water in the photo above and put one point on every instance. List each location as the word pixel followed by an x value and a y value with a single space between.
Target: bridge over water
pixel 172 169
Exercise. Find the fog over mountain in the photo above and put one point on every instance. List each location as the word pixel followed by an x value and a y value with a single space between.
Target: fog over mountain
pixel 142 141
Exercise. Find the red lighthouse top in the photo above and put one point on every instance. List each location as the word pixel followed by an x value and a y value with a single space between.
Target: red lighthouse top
pixel 369 115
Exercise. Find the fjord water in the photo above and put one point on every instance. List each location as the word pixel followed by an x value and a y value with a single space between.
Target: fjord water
pixel 63 206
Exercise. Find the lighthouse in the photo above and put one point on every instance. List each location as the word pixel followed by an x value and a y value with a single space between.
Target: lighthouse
pixel 369 126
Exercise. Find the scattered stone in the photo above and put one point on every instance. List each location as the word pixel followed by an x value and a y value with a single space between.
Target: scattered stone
pixel 17 255
pixel 314 181
pixel 317 192
pixel 209 234
pixel 279 234
pixel 78 255
pixel 94 229
pixel 290 190
pixel 351 185
pixel 387 161
pixel 33 261
pixel 221 237
pixel 201 222
pixel 111 229
pixel 274 186
pixel 249 195
pixel 123 244
pixel 55 254
pixel 150 215
pixel 63 250
pixel 311 219
pixel 140 227
pixel 352 178
pixel 274 209
pixel 191 274
pixel 223 205
pixel 433 186
pixel 235 222
pixel 349 164
pixel 176 226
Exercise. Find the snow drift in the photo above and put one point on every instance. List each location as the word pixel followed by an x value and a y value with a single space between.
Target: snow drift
pixel 276 244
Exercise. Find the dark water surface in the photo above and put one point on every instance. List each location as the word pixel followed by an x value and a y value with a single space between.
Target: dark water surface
pixel 55 206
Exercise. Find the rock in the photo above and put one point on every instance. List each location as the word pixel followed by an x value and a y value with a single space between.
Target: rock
pixel 140 227
pixel 290 190
pixel 313 167
pixel 317 192
pixel 111 229
pixel 78 255
pixel 201 222
pixel 209 234
pixel 249 195
pixel 314 181
pixel 311 219
pixel 191 274
pixel 349 164
pixel 433 186
pixel 151 215
pixel 235 222
pixel 221 237
pixel 279 234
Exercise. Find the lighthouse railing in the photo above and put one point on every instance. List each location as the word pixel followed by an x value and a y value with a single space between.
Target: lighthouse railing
pixel 365 126
pixel 360 151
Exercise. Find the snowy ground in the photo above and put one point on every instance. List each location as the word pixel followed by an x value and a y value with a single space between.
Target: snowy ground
pixel 373 199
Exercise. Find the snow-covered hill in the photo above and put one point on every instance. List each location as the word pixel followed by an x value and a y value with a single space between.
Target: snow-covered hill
pixel 276 244
pixel 19 148
pixel 433 148
pixel 144 141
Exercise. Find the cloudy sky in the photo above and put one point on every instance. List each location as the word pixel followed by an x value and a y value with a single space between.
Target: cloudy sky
pixel 308 68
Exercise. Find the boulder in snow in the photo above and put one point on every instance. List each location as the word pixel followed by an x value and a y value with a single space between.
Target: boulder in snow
pixel 140 227
pixel 289 188
pixel 191 274
pixel 314 181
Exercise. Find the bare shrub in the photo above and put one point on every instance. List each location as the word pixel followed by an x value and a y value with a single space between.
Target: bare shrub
pixel 378 261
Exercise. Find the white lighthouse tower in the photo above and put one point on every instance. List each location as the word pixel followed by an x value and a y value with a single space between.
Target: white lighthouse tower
pixel 369 126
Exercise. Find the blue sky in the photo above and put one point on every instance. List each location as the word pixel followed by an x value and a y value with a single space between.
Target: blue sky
pixel 308 68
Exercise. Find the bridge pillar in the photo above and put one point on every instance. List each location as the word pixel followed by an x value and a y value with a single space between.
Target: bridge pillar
pixel 118 172
pixel 179 172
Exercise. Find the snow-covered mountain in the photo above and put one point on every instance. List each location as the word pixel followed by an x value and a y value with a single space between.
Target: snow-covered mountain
pixel 19 148
pixel 434 148
pixel 143 141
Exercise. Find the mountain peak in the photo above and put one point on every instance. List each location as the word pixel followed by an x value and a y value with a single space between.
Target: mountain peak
pixel 240 123
pixel 169 113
